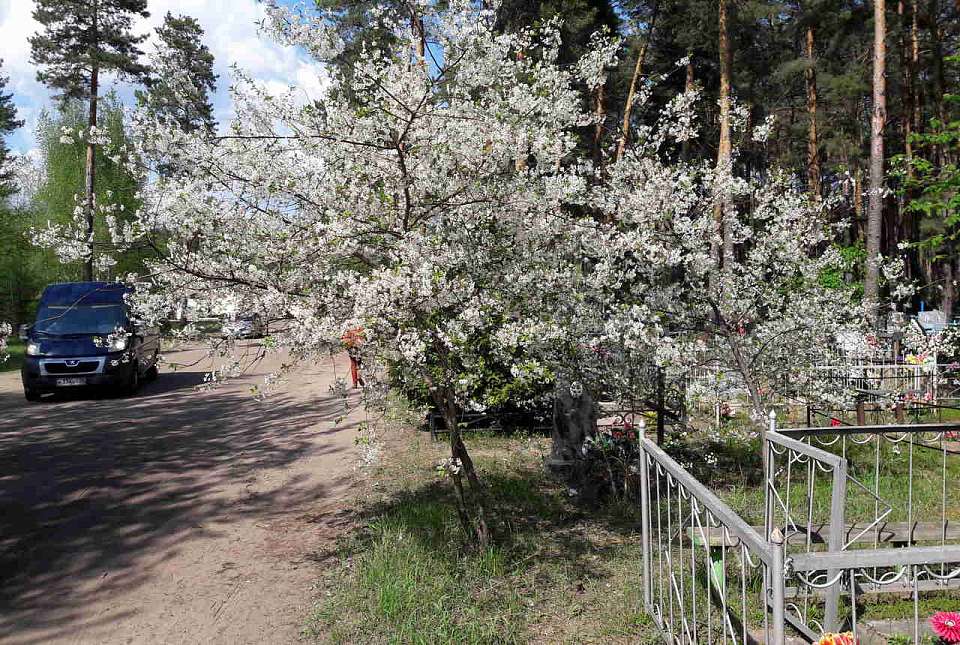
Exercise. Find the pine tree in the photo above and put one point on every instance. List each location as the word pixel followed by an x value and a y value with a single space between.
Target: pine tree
pixel 8 123
pixel 81 40
pixel 182 77
pixel 878 121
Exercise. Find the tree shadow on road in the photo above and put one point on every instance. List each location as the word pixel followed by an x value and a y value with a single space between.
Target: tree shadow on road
pixel 95 490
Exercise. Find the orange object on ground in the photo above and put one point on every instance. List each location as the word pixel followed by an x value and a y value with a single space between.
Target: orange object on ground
pixel 352 339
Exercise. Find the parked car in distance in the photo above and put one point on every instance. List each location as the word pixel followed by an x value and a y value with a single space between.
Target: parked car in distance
pixel 83 336
pixel 245 326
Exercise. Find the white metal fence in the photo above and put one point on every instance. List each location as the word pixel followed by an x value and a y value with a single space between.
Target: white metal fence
pixel 830 538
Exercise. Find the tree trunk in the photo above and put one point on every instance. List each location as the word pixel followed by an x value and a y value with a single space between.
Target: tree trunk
pixel 949 291
pixel 906 64
pixel 871 284
pixel 813 147
pixel 746 372
pixel 939 80
pixel 917 95
pixel 631 93
pixel 858 233
pixel 687 87
pixel 420 39
pixel 599 113
pixel 723 211
pixel 90 175
pixel 472 507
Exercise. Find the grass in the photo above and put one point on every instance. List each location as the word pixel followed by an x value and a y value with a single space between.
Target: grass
pixel 15 350
pixel 736 477
pixel 557 573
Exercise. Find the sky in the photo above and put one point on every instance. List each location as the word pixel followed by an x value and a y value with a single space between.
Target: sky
pixel 232 34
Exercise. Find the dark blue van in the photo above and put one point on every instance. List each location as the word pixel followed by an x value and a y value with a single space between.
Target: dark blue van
pixel 83 336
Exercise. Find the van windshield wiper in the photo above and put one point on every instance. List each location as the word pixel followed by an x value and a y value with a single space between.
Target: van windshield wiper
pixel 46 333
pixel 72 334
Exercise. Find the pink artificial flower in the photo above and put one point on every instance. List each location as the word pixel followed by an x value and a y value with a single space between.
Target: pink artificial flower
pixel 846 638
pixel 947 625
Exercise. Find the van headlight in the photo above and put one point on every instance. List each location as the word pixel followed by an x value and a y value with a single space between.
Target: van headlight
pixel 118 343
pixel 33 349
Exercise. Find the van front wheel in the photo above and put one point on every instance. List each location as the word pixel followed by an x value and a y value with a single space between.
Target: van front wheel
pixel 31 395
pixel 133 383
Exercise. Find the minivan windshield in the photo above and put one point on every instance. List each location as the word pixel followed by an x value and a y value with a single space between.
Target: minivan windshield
pixel 100 319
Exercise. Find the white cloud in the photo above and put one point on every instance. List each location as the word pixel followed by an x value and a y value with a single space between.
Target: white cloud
pixel 232 33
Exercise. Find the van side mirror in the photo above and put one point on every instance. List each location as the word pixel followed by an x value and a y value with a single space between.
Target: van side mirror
pixel 24 333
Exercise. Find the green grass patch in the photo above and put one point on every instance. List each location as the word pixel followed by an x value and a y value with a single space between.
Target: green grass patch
pixel 556 574
pixel 15 353
pixel 559 572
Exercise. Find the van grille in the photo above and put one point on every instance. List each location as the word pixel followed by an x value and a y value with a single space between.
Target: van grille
pixel 82 367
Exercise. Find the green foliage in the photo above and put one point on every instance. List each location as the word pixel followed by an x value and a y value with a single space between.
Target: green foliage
pixel 487 381
pixel 182 78
pixel 26 269
pixel 852 260
pixel 63 176
pixel 364 25
pixel 932 188
pixel 15 351
pixel 83 36
pixel 8 123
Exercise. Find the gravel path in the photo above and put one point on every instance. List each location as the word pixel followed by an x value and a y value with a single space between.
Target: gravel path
pixel 174 516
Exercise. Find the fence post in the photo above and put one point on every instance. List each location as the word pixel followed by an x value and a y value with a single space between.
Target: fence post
pixel 837 533
pixel 768 474
pixel 645 519
pixel 777 574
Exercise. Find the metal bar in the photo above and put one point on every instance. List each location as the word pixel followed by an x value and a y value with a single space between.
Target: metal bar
pixel 866 558
pixel 727 517
pixel 838 497
pixel 871 429
pixel 870 588
pixel 775 577
pixel 645 525
pixel 804 449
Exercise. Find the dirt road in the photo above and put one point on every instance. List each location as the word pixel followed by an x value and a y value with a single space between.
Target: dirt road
pixel 174 516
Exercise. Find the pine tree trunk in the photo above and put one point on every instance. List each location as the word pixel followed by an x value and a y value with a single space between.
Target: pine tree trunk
pixel 723 211
pixel 90 175
pixel 906 64
pixel 871 284
pixel 813 147
pixel 915 65
pixel 939 80
pixel 949 293
pixel 631 93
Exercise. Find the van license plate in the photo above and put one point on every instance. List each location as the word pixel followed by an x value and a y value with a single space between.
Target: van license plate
pixel 71 382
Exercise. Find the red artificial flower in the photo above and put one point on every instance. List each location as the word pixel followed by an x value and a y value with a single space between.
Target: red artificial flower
pixel 947 625
pixel 846 638
pixel 834 421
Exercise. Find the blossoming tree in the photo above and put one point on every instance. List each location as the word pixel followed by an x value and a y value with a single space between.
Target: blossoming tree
pixel 433 198
pixel 424 206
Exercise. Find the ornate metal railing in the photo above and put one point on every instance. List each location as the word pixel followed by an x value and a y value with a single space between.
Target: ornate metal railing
pixel 708 575
pixel 826 541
